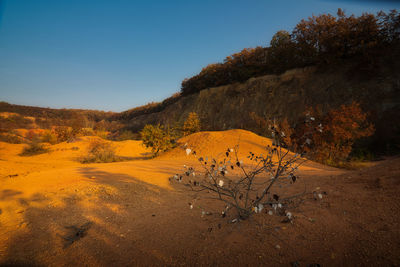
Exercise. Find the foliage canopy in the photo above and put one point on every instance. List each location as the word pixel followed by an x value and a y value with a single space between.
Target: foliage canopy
pixel 192 124
pixel 157 138
pixel 323 39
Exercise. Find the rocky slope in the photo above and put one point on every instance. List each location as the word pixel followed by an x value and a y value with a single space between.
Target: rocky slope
pixel 287 96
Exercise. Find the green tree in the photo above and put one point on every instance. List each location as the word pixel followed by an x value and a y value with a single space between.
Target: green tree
pixel 157 138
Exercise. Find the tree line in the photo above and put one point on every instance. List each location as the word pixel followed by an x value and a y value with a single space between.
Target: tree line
pixel 318 40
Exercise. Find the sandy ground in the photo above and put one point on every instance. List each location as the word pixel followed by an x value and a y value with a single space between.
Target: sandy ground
pixel 55 211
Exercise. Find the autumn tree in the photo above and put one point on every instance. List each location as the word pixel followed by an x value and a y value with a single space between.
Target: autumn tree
pixel 322 40
pixel 389 25
pixel 327 137
pixel 192 124
pixel 343 126
pixel 282 52
pixel 286 132
pixel 334 133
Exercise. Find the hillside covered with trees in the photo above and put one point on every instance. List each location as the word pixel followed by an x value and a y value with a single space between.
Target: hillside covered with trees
pixel 319 40
pixel 47 117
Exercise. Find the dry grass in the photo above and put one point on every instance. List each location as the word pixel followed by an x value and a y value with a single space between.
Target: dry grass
pixel 10 138
pixel 34 148
pixel 100 151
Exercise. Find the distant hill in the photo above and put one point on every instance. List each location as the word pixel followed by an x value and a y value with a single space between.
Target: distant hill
pixel 37 117
pixel 51 112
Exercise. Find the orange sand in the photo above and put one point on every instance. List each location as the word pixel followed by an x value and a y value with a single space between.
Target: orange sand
pixel 139 219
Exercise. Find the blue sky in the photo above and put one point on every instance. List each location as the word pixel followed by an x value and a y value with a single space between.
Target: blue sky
pixel 115 55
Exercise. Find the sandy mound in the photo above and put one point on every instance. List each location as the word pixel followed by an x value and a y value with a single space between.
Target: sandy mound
pixel 215 144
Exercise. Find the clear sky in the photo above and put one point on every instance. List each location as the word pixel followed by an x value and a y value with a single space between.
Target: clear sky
pixel 118 54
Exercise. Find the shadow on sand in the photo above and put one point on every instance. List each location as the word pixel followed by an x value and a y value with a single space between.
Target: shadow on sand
pixel 91 226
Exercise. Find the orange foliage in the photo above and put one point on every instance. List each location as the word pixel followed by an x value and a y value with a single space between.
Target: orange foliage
pixel 321 39
pixel 286 133
pixel 343 127
pixel 329 138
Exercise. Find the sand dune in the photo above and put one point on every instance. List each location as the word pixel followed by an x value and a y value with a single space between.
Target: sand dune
pixel 215 144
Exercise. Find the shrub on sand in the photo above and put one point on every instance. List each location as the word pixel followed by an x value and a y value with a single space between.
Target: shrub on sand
pixel 49 137
pixel 100 151
pixel 63 133
pixel 10 138
pixel 34 148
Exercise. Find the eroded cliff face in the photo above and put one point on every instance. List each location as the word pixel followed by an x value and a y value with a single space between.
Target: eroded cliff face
pixel 287 96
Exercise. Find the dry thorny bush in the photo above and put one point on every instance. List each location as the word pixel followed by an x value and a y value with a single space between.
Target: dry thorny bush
pixel 261 185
